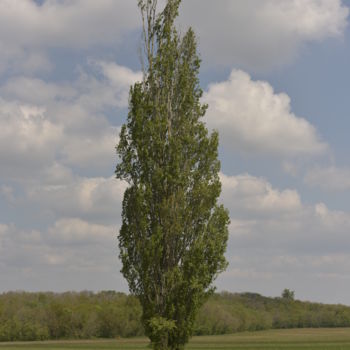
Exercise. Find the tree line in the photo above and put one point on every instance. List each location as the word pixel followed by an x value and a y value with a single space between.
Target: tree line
pixel 86 315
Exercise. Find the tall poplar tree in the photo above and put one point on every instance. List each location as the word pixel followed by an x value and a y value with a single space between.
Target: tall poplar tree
pixel 174 233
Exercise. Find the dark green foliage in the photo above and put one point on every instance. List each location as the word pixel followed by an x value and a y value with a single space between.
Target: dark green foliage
pixel 41 316
pixel 228 312
pixel 174 234
pixel 85 315
pixel 288 294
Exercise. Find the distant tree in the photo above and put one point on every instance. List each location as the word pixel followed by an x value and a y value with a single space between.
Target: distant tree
pixel 174 234
pixel 288 294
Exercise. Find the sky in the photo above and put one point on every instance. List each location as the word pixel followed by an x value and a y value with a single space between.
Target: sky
pixel 275 74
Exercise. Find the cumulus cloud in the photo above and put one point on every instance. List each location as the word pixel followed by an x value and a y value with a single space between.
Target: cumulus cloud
pixel 251 34
pixel 260 35
pixel 18 60
pixel 251 117
pixel 111 90
pixel 118 80
pixel 32 138
pixel 249 194
pixel 331 218
pixel 37 91
pixel 18 247
pixel 92 199
pixel 328 178
pixel 77 231
pixel 71 254
pixel 57 143
pixel 102 84
pixel 66 121
pixel 91 152
pixel 28 30
pixel 121 77
pixel 277 241
pixel 263 213
pixel 28 139
pixel 77 24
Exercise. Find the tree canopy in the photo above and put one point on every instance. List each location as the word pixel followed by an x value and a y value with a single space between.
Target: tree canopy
pixel 174 233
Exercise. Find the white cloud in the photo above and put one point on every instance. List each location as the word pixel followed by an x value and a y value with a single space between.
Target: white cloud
pixel 15 59
pixel 70 118
pixel 27 138
pixel 278 242
pixel 251 117
pixel 248 33
pixel 120 77
pixel 93 199
pixel 32 138
pixel 328 178
pixel 71 254
pixel 246 193
pixel 334 220
pixel 18 247
pixel 264 219
pixel 28 30
pixel 36 91
pixel 76 24
pixel 75 230
pixel 103 84
pixel 261 34
pixel 56 174
pixel 111 90
pixel 273 237
pixel 57 141
pixel 90 152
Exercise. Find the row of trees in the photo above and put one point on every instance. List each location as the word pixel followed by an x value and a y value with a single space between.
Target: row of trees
pixel 86 315
pixel 228 313
pixel 42 316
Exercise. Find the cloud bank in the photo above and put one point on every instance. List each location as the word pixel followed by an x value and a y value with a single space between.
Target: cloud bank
pixel 261 35
pixel 251 117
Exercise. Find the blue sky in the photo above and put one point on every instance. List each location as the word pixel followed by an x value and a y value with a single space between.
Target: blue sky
pixel 275 74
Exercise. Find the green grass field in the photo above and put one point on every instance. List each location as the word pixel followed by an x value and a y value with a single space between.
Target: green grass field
pixel 291 339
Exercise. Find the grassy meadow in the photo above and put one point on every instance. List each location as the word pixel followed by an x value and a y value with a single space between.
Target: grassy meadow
pixel 293 339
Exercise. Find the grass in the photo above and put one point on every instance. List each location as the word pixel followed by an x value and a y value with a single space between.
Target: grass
pixel 291 339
